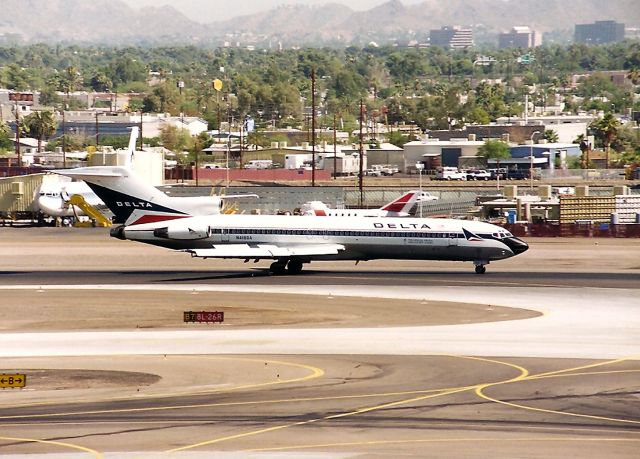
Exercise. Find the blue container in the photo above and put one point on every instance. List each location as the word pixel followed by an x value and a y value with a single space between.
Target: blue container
pixel 511 216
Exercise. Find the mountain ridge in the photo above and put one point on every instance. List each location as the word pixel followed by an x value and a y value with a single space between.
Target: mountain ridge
pixel 113 22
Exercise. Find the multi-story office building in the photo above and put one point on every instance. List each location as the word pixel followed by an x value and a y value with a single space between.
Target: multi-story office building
pixel 519 37
pixel 451 37
pixel 599 32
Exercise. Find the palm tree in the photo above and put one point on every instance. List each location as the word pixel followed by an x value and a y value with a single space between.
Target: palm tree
pixel 607 130
pixel 550 135
pixel 634 76
pixel 584 149
pixel 40 125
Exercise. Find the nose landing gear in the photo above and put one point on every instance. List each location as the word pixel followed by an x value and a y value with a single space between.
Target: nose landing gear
pixel 481 266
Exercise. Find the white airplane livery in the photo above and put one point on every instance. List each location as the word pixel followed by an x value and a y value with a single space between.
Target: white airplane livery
pixel 292 241
pixel 400 207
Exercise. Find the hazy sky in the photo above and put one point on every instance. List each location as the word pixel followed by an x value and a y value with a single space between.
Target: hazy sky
pixel 211 10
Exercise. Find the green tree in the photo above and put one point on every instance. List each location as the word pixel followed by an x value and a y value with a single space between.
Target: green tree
pixel 69 80
pixel 125 70
pixel 6 135
pixel 164 98
pixel 550 135
pixel 494 149
pixel 175 139
pixel 40 125
pixel 397 139
pixel 100 82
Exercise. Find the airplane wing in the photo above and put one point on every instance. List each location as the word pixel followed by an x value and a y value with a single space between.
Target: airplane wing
pixel 265 251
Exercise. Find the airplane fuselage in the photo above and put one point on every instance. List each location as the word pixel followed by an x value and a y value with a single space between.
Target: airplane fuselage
pixel 362 238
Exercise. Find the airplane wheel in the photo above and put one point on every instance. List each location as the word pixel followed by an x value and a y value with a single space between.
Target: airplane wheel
pixel 481 269
pixel 277 268
pixel 294 267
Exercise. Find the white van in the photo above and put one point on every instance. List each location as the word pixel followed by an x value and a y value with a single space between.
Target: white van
pixel 259 164
pixel 449 173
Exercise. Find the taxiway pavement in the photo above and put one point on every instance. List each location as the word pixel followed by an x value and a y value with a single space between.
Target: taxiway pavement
pixel 538 358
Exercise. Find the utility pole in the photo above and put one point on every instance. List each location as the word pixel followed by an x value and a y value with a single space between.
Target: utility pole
pixel 313 127
pixel 335 149
pixel 97 131
pixel 140 129
pixel 64 143
pixel 361 173
pixel 18 135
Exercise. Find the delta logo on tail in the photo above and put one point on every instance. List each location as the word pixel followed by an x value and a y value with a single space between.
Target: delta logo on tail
pixel 123 206
pixel 470 236
pixel 399 204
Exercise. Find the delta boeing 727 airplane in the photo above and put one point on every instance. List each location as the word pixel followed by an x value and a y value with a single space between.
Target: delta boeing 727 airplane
pixel 291 241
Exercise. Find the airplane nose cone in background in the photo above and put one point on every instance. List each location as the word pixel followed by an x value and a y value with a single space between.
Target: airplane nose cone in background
pixel 516 245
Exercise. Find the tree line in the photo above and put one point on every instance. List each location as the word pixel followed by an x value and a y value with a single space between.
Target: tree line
pixel 432 88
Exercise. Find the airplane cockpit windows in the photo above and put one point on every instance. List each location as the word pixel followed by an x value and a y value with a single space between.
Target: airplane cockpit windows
pixel 501 235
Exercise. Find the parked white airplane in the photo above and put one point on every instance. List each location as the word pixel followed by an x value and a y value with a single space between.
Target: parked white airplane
pixel 52 197
pixel 399 207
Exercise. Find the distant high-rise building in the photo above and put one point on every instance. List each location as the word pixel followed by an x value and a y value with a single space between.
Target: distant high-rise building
pixel 599 32
pixel 519 37
pixel 451 37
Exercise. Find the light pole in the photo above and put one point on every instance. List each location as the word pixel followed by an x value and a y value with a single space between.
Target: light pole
pixel 228 152
pixel 420 167
pixel 531 159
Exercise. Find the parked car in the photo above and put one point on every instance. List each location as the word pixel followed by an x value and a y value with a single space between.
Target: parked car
pixel 449 173
pixel 498 173
pixel 378 170
pixel 213 166
pixel 259 164
pixel 518 174
pixel 479 174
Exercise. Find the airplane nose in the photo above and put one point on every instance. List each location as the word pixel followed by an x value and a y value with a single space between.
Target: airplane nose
pixel 516 245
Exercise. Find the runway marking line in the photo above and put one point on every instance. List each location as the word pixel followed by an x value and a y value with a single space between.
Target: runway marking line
pixel 315 373
pixel 447 391
pixel 524 375
pixel 95 453
pixel 478 389
pixel 586 373
pixel 551 374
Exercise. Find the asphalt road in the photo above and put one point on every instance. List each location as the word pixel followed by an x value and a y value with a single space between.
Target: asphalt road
pixel 536 359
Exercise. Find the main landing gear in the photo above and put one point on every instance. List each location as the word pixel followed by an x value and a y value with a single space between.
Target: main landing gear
pixel 481 266
pixel 279 267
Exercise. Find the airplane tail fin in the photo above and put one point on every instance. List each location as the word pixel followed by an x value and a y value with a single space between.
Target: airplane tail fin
pixel 131 148
pixel 403 204
pixel 124 193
